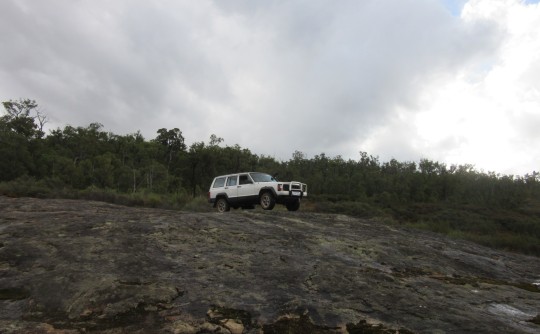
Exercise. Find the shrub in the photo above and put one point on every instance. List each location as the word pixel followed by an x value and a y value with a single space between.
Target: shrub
pixel 24 186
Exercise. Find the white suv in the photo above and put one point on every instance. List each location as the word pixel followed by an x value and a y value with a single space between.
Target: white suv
pixel 245 190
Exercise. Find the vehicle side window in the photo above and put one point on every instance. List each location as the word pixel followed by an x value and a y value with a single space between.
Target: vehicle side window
pixel 244 179
pixel 219 182
pixel 232 180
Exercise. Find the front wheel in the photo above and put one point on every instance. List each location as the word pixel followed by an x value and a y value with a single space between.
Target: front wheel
pixel 222 205
pixel 267 201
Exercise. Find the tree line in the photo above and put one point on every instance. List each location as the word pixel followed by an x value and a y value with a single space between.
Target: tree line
pixel 501 211
pixel 82 157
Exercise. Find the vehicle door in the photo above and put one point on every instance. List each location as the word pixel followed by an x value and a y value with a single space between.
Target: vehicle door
pixel 231 187
pixel 246 187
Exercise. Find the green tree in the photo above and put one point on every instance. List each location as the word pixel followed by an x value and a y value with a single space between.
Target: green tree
pixel 20 119
pixel 171 143
pixel 19 135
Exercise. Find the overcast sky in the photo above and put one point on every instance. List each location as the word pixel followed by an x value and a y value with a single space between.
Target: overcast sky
pixel 453 81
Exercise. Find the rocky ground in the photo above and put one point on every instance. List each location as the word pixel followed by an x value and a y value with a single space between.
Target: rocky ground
pixel 77 266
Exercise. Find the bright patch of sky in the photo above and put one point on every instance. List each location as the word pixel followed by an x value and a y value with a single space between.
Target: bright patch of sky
pixel 489 111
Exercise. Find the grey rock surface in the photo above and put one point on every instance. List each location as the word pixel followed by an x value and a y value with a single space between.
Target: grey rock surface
pixel 70 266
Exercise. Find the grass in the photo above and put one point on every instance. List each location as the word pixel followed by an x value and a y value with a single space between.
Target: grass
pixel 29 187
pixel 512 230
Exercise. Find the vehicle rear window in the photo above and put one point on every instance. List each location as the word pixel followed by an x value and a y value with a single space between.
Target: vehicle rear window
pixel 219 182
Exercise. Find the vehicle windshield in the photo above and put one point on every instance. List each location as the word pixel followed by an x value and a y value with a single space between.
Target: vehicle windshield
pixel 262 177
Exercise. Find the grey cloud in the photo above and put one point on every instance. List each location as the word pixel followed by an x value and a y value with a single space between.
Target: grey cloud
pixel 321 74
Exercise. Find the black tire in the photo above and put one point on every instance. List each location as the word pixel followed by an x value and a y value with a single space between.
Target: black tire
pixel 267 200
pixel 293 206
pixel 222 205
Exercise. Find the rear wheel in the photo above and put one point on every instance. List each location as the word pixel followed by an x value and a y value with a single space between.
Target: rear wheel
pixel 267 201
pixel 293 206
pixel 222 205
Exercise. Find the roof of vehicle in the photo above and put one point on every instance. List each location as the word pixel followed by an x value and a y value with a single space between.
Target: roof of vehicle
pixel 241 173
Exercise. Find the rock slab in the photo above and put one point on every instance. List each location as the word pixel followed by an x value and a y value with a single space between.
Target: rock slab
pixel 69 266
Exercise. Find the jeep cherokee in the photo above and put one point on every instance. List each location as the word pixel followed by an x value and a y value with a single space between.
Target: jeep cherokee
pixel 245 190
